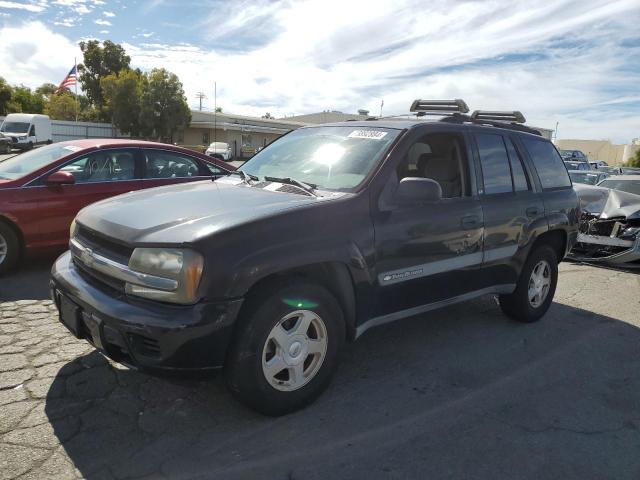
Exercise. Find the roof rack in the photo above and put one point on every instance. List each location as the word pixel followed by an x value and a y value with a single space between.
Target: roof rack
pixel 459 118
pixel 514 116
pixel 439 107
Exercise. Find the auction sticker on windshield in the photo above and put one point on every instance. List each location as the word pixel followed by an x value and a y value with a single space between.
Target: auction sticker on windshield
pixel 370 134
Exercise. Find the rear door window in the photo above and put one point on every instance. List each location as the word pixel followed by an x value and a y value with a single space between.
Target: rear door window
pixel 165 164
pixel 547 162
pixel 494 160
pixel 520 180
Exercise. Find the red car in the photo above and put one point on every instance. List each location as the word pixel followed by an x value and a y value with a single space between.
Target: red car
pixel 42 190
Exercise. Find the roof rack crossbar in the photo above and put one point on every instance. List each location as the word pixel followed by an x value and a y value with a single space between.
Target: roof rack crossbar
pixel 511 116
pixel 438 107
pixel 458 118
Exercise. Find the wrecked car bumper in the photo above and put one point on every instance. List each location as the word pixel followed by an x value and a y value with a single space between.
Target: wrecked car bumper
pixel 615 251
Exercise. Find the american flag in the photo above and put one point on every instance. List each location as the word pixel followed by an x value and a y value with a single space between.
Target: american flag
pixel 68 81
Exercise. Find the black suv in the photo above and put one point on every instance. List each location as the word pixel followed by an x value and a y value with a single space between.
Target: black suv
pixel 327 232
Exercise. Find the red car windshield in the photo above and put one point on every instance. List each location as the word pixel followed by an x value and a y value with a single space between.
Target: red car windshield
pixel 25 163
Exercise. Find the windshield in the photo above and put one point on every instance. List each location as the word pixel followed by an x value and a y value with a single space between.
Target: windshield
pixel 25 163
pixel 333 158
pixel 629 186
pixel 14 127
pixel 584 177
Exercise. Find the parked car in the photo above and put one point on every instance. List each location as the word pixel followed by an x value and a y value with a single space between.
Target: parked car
pixel 42 190
pixel 5 144
pixel 574 155
pixel 220 150
pixel 597 164
pixel 623 183
pixel 610 222
pixel 577 165
pixel 327 232
pixel 610 170
pixel 27 130
pixel 588 177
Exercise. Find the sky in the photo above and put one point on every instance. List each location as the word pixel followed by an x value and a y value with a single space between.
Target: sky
pixel 571 62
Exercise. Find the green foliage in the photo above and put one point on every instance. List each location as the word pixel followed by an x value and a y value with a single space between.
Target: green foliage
pixel 5 96
pixel 46 89
pixel 122 94
pixel 163 106
pixel 634 161
pixel 26 101
pixel 99 62
pixel 62 106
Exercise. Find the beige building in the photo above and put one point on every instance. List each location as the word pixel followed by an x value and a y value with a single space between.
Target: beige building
pixel 615 155
pixel 244 134
pixel 329 116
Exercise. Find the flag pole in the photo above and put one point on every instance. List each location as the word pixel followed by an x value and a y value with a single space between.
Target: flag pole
pixel 75 67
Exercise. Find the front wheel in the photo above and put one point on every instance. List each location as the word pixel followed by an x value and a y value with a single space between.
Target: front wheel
pixel 7 148
pixel 9 248
pixel 535 288
pixel 286 348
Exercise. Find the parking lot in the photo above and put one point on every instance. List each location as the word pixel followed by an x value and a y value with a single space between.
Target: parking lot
pixel 458 393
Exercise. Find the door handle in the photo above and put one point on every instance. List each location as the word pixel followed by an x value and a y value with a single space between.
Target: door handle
pixel 470 221
pixel 532 212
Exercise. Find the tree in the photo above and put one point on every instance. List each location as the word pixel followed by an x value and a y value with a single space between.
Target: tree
pixel 634 161
pixel 46 89
pixel 163 106
pixel 122 95
pixel 27 101
pixel 218 109
pixel 267 116
pixel 100 61
pixel 62 106
pixel 5 96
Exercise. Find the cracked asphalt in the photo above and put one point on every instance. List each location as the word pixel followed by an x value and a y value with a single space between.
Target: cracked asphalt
pixel 460 393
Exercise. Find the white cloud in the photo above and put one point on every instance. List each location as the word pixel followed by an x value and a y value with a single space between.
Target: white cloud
pixel 104 32
pixel 32 54
pixel 66 22
pixel 109 14
pixel 100 21
pixel 572 61
pixel 29 7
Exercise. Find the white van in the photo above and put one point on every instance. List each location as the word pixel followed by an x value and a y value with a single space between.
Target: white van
pixel 27 130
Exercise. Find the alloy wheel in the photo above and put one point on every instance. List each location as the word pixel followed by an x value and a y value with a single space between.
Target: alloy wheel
pixel 294 350
pixel 539 283
pixel 3 248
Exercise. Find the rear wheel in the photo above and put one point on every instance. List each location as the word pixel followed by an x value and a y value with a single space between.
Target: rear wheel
pixel 286 349
pixel 9 248
pixel 535 288
pixel 7 148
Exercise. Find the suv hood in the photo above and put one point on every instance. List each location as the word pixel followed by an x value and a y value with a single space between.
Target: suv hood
pixel 185 213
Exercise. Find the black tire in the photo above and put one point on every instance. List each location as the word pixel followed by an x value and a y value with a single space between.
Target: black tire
pixel 243 368
pixel 30 146
pixel 517 304
pixel 9 238
pixel 7 148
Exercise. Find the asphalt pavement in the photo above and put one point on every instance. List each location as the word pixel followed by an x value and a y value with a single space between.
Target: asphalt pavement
pixel 460 393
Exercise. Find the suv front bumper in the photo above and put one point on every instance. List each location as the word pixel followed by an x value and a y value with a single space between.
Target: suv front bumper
pixel 141 333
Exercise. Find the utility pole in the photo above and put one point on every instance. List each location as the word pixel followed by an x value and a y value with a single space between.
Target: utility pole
pixel 200 96
pixel 556 132
pixel 215 109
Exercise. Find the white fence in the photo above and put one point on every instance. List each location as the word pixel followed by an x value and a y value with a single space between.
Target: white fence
pixel 63 130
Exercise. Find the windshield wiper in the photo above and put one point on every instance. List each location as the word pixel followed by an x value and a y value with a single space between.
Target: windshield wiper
pixel 246 177
pixel 307 187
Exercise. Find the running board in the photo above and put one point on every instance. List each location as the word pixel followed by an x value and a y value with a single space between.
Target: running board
pixel 410 312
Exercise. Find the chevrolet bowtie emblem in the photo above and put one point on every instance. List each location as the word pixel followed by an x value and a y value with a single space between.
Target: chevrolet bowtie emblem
pixel 87 257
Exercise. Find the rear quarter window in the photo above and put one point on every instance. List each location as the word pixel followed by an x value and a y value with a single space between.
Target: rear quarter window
pixel 547 162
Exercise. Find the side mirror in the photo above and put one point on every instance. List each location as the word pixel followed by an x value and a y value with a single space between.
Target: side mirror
pixel 60 178
pixel 412 190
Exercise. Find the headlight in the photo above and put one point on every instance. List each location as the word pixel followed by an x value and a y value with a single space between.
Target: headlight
pixel 72 229
pixel 184 266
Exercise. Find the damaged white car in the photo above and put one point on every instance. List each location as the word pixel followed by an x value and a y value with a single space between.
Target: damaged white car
pixel 609 226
